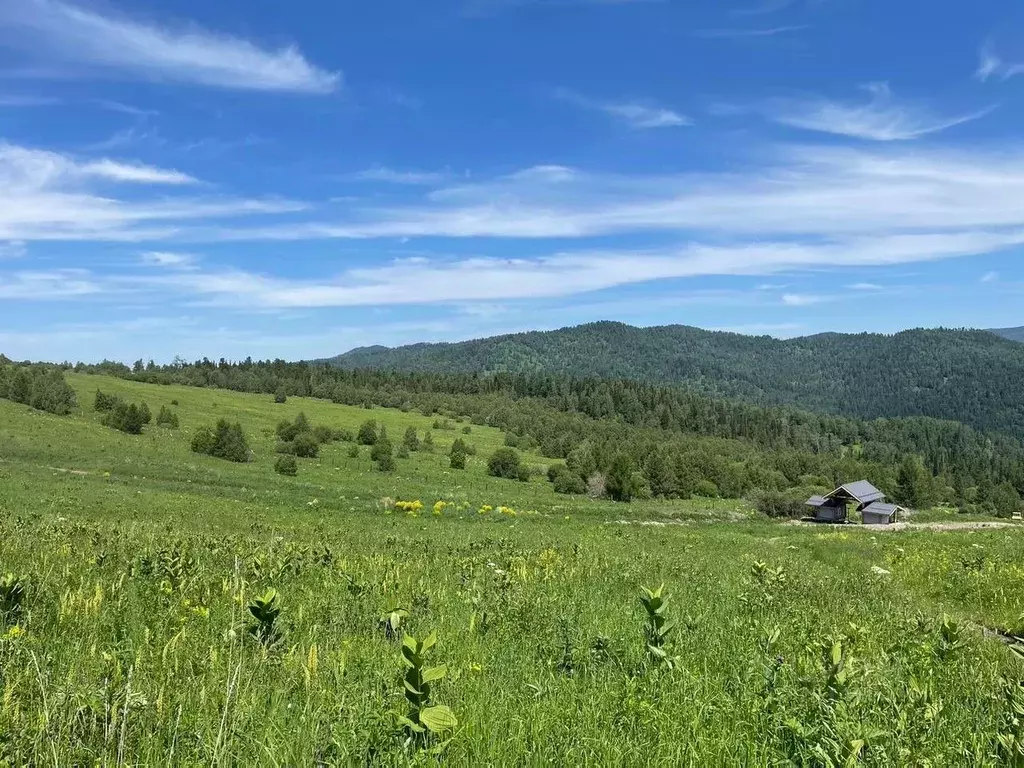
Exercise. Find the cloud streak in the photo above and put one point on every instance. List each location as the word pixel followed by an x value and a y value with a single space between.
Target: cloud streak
pixel 990 64
pixel 634 114
pixel 50 196
pixel 75 35
pixel 750 32
pixel 882 118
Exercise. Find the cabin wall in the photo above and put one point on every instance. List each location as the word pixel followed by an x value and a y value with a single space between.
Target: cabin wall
pixel 876 518
pixel 830 513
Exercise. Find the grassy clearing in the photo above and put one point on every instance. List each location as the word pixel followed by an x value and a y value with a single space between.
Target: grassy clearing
pixel 802 644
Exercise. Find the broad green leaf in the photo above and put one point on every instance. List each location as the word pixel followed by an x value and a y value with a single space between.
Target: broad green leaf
pixel 438 718
pixel 434 673
pixel 429 642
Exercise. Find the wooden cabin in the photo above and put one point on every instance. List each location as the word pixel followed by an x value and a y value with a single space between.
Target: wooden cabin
pixel 880 513
pixel 868 500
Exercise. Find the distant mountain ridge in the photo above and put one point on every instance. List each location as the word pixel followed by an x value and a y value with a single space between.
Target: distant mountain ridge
pixel 1013 334
pixel 972 376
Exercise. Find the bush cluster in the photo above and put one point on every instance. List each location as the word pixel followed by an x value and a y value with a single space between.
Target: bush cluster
pixel 167 418
pixel 226 441
pixel 119 414
pixel 302 439
pixel 37 386
pixel 286 465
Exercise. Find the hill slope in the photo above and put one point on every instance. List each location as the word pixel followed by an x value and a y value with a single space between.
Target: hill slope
pixel 1013 334
pixel 970 376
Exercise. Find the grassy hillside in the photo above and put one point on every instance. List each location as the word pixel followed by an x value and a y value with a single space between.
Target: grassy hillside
pixel 141 563
pixel 969 376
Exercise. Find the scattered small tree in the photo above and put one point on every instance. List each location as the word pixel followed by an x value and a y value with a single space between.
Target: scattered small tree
pixel 427 445
pixel 281 396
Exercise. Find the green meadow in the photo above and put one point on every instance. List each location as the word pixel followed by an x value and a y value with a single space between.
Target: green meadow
pixel 167 607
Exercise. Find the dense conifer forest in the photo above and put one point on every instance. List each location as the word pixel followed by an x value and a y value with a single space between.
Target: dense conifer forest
pixel 974 377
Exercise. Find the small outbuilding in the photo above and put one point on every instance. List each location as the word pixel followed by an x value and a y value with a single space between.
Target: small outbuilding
pixel 868 500
pixel 880 513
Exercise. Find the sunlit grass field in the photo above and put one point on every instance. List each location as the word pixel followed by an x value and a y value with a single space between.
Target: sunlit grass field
pixel 133 642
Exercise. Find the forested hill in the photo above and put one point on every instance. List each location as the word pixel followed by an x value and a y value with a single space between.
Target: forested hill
pixel 974 377
pixel 1013 334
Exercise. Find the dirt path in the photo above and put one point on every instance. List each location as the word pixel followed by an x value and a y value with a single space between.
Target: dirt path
pixel 950 525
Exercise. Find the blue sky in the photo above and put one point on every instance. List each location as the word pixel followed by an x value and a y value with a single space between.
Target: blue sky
pixel 295 179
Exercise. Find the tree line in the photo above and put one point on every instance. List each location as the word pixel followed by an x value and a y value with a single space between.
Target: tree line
pixel 649 439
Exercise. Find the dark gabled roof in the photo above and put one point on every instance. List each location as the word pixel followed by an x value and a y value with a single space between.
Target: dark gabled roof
pixel 881 508
pixel 815 501
pixel 863 491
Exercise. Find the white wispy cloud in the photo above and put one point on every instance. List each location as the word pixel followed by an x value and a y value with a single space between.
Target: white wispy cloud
pixel 804 191
pixel 865 287
pixel 749 32
pixel 37 167
pixel 13 249
pixel 47 195
pixel 392 176
pixel 990 277
pixel 461 281
pixel 802 299
pixel 990 64
pixel 634 114
pixel 168 259
pixel 47 285
pixel 881 118
pixel 73 34
pixel 492 7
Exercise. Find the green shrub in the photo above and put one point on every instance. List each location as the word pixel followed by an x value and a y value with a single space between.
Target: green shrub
pixel 280 396
pixel 227 441
pixel 457 457
pixel 467 429
pixel 167 418
pixel 367 433
pixel 569 483
pixel 203 440
pixel 305 446
pixel 620 482
pixel 289 430
pixel 126 417
pixel 411 440
pixel 286 465
pixel 706 488
pixel 504 462
pixel 402 451
pixel 386 463
pixel 789 503
pixel 104 402
pixel 381 448
pixel 353 451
